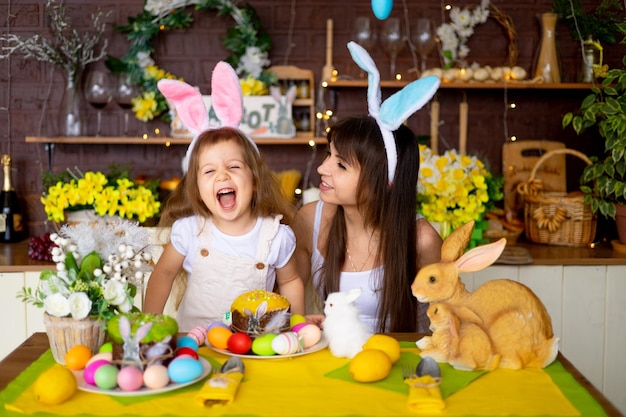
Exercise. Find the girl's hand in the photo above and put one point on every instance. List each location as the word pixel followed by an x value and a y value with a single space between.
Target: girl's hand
pixel 316 319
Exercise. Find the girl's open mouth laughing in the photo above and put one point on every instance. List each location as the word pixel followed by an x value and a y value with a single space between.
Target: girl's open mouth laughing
pixel 227 198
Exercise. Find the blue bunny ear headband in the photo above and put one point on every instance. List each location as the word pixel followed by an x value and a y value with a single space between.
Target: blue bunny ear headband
pixel 397 108
pixel 226 99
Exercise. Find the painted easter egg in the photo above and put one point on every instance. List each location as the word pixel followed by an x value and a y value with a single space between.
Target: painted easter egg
pixel 187 351
pixel 218 337
pixel 239 343
pixel 310 334
pixel 182 370
pixel 106 377
pixel 130 378
pixel 107 356
pixel 382 8
pixel 187 342
pixel 262 345
pixel 198 333
pixel 90 370
pixel 155 376
pixel 287 343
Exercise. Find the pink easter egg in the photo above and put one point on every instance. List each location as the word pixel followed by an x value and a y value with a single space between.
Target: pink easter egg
pixel 130 378
pixel 298 326
pixel 198 333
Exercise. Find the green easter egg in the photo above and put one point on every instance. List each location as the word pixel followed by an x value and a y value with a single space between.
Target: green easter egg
pixel 107 347
pixel 106 377
pixel 262 345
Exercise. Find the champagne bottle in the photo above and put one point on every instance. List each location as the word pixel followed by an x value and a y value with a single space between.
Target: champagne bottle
pixel 10 213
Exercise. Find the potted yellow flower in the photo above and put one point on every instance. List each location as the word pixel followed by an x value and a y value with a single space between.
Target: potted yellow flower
pixel 113 194
pixel 453 189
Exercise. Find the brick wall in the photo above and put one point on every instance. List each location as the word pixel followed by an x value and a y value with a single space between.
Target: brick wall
pixel 35 89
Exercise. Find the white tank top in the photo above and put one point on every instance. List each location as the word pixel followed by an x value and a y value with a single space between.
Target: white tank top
pixel 369 281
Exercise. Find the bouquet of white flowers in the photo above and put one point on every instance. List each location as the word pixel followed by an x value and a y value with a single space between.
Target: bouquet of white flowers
pixel 99 268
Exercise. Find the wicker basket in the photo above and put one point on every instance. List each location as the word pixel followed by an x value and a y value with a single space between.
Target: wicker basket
pixel 560 219
pixel 65 332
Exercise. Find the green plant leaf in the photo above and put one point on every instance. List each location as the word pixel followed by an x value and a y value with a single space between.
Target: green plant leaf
pixel 577 124
pixel 70 262
pixel 567 119
pixel 90 263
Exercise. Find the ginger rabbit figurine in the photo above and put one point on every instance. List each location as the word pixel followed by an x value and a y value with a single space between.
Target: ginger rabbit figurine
pixel 464 345
pixel 513 317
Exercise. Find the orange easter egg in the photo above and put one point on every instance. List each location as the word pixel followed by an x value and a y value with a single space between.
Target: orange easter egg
pixel 218 337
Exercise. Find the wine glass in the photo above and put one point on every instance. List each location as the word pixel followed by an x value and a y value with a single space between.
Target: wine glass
pixel 125 91
pixel 98 92
pixel 364 34
pixel 424 40
pixel 393 41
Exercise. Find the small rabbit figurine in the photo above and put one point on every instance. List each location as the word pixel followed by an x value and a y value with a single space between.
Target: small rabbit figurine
pixel 284 123
pixel 464 345
pixel 513 317
pixel 274 325
pixel 131 355
pixel 345 332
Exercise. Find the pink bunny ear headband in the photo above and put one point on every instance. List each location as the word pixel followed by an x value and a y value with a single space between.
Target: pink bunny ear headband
pixel 226 99
pixel 396 109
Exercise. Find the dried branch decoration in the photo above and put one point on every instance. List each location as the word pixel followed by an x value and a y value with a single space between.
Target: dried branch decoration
pixel 66 47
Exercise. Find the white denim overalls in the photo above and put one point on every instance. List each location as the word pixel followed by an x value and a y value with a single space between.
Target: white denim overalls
pixel 217 279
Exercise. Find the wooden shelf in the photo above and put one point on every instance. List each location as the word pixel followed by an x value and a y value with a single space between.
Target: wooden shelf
pixel 460 85
pixel 303 138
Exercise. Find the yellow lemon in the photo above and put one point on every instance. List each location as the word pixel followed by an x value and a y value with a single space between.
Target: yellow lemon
pixel 386 343
pixel 55 385
pixel 370 365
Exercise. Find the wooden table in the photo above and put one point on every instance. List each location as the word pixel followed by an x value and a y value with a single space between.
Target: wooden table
pixel 37 344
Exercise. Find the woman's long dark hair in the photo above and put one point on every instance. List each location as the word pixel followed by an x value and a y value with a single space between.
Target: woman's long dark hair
pixel 387 208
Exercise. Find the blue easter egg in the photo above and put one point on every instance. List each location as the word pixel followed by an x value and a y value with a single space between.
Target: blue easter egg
pixel 187 341
pixel 182 370
pixel 382 8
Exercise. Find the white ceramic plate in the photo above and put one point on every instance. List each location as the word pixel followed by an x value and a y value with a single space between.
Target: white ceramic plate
pixel 83 386
pixel 323 343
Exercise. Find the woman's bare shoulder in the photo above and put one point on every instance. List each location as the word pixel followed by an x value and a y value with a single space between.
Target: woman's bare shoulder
pixel 428 243
pixel 306 213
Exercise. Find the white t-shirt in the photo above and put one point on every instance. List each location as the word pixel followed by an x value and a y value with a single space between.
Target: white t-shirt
pixel 185 240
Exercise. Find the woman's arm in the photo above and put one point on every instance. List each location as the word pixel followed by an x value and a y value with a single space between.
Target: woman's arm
pixel 303 229
pixel 161 280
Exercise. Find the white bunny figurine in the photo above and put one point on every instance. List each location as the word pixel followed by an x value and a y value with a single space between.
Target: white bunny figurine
pixel 345 332
pixel 131 355
pixel 284 123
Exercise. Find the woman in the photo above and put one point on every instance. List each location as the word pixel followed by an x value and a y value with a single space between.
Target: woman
pixel 365 232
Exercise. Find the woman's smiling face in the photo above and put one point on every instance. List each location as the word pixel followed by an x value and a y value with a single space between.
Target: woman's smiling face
pixel 225 183
pixel 339 179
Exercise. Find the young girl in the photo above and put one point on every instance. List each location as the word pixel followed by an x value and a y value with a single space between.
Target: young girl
pixel 365 232
pixel 225 219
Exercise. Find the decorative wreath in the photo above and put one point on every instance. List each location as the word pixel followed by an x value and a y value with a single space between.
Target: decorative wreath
pixel 507 24
pixel 247 42
pixel 456 34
